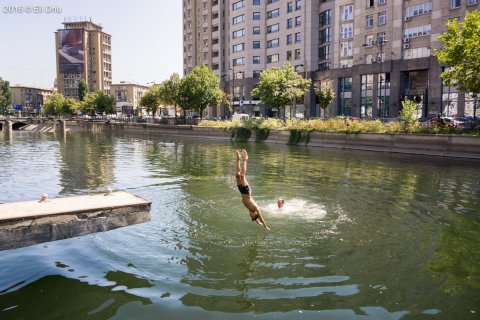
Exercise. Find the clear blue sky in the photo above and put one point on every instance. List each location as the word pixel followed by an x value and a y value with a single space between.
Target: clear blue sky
pixel 146 38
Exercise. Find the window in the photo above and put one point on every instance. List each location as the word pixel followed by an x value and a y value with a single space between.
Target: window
pixel 256 73
pixel 256 45
pixel 273 13
pixel 238 5
pixel 238 19
pixel 325 36
pixel 370 3
pixel 346 49
pixel 256 59
pixel 382 17
pixel 290 6
pixel 369 41
pixel 273 58
pixel 271 1
pixel 297 54
pixel 346 12
pixel 256 2
pixel 418 31
pixel 325 18
pixel 289 55
pixel 345 96
pixel 298 21
pixel 256 30
pixel 380 2
pixel 273 28
pixel 238 61
pixel 289 39
pixel 298 37
pixel 256 16
pixel 238 47
pixel 470 2
pixel 298 4
pixel 273 43
pixel 455 4
pixel 381 37
pixel 238 33
pixel 346 31
pixel 324 53
pixel 289 23
pixel 418 9
pixel 369 21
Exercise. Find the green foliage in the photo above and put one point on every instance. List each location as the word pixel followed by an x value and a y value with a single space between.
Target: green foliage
pixel 242 134
pixel 280 87
pixel 97 102
pixel 151 99
pixel 339 124
pixel 298 136
pixel 325 93
pixel 460 53
pixel 69 106
pixel 409 114
pixel 201 88
pixel 54 105
pixel 5 96
pixel 169 92
pixel 82 89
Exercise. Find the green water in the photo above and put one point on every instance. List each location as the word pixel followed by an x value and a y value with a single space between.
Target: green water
pixel 363 235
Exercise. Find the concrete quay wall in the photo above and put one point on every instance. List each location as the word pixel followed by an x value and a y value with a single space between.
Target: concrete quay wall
pixel 421 144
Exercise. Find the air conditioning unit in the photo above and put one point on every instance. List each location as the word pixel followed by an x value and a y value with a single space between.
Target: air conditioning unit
pixel 406 46
pixel 407 18
pixel 406 39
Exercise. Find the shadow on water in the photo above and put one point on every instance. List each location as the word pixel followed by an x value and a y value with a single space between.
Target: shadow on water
pixel 57 297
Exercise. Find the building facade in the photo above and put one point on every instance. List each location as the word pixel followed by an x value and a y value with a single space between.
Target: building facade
pixel 29 100
pixel 127 97
pixel 83 51
pixel 375 52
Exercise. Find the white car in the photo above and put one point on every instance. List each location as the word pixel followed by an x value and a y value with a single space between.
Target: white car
pixel 240 116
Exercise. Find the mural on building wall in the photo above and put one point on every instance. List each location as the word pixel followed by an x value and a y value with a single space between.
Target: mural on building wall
pixel 70 50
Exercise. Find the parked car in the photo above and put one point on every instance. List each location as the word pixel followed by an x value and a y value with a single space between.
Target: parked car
pixel 240 116
pixel 462 122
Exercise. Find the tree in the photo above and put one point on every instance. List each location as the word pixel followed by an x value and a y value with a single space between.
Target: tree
pixel 201 88
pixel 409 113
pixel 169 92
pixel 97 102
pixel 69 106
pixel 150 100
pixel 82 89
pixel 5 96
pixel 277 88
pixel 325 93
pixel 54 104
pixel 105 103
pixel 460 54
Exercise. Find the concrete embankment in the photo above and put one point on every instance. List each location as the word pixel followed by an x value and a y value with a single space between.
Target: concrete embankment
pixel 445 145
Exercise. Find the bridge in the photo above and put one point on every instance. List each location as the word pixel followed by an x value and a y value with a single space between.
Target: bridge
pixel 7 124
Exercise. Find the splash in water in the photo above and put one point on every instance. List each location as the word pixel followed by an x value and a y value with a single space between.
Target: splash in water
pixel 295 208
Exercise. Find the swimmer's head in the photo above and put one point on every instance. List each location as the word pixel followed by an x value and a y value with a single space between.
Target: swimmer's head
pixel 280 202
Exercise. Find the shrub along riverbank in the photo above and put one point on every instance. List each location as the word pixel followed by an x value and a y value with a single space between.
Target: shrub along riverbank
pixel 341 125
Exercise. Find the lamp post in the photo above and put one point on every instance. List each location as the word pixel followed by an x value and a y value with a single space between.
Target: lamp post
pixel 233 84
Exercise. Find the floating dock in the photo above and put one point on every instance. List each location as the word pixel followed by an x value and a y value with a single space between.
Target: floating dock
pixel 27 223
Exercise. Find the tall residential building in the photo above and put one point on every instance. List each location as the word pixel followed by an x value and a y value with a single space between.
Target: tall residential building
pixel 83 51
pixel 375 52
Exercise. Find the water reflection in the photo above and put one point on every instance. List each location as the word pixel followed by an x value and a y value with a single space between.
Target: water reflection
pixel 50 297
pixel 88 162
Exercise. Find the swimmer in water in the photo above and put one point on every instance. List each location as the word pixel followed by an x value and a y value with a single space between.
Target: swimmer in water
pixel 244 189
pixel 280 203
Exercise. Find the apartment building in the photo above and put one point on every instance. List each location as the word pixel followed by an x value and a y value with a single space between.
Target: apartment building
pixel 375 52
pixel 29 100
pixel 83 51
pixel 127 97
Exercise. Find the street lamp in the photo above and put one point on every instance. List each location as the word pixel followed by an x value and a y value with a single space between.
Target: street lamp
pixel 233 83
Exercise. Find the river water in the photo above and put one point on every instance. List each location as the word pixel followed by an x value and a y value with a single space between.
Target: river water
pixel 363 235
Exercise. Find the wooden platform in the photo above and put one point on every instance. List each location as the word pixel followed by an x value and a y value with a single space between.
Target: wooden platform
pixel 30 222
